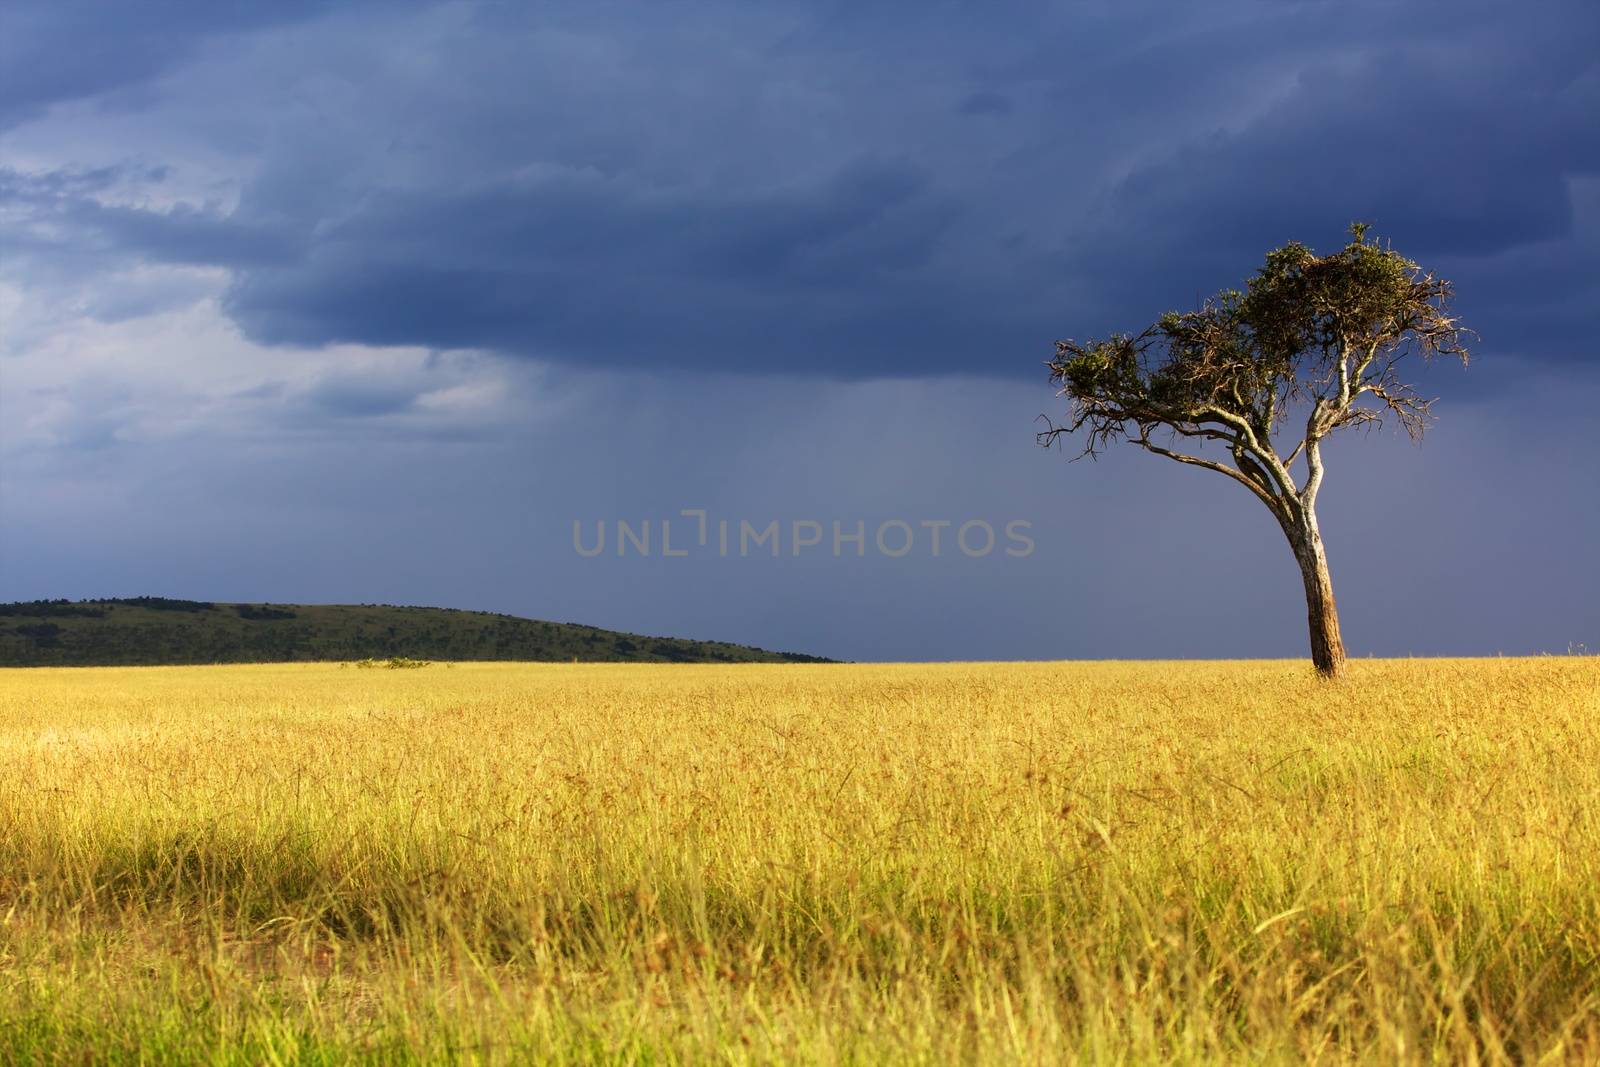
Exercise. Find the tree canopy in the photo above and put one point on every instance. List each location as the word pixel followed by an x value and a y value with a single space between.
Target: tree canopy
pixel 1327 332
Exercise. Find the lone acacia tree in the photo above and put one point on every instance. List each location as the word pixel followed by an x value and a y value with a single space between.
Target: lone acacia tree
pixel 1315 336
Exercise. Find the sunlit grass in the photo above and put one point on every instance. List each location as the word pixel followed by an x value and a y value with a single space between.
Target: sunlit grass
pixel 840 864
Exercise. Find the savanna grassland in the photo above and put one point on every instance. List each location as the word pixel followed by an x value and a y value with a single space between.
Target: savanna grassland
pixel 482 863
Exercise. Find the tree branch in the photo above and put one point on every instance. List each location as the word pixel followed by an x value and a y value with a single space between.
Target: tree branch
pixel 1308 495
pixel 1273 503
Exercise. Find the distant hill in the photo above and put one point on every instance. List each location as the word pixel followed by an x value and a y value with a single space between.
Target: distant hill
pixel 157 630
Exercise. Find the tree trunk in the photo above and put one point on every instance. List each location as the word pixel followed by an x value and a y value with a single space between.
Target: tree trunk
pixel 1327 647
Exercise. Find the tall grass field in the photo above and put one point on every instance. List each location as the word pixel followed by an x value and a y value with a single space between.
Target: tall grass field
pixel 508 863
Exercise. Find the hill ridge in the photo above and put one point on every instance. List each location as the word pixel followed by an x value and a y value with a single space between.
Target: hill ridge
pixel 154 631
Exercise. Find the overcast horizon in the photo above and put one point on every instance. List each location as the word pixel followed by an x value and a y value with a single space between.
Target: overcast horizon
pixel 369 303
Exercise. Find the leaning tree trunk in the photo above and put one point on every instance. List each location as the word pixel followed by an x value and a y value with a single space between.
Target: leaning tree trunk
pixel 1322 614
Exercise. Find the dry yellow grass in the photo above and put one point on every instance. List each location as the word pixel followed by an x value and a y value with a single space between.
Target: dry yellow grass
pixel 502 863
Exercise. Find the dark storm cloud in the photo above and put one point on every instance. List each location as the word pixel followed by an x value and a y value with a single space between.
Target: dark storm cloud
pixel 70 49
pixel 604 270
pixel 359 399
pixel 67 184
pixel 60 230
pixel 1463 155
pixel 184 235
pixel 620 204
pixel 860 190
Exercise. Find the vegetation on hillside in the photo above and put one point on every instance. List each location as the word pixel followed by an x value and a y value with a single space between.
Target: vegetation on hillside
pixel 159 630
pixel 1039 863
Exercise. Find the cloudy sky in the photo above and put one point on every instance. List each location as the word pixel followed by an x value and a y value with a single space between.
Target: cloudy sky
pixel 372 302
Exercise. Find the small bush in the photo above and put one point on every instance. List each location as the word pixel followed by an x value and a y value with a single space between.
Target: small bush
pixel 262 612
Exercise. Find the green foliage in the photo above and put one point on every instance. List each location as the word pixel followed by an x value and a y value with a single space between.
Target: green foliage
pixel 152 631
pixel 162 603
pixel 44 634
pixel 1325 330
pixel 1301 309
pixel 262 612
pixel 44 609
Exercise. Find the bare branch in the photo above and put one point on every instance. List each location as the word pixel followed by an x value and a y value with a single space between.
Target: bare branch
pixel 1260 490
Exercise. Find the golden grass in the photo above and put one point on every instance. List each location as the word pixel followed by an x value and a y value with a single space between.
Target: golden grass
pixel 1157 862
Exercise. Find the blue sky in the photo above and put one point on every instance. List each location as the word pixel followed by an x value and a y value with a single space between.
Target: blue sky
pixel 371 302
